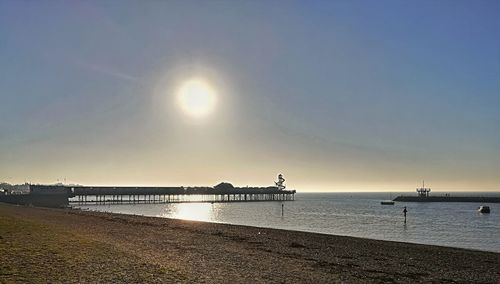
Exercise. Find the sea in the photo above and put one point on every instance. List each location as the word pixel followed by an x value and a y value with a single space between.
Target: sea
pixel 451 224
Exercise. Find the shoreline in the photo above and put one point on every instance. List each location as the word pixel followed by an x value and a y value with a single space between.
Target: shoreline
pixel 279 229
pixel 155 250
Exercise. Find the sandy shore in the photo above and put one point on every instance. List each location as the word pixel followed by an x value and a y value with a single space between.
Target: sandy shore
pixel 41 245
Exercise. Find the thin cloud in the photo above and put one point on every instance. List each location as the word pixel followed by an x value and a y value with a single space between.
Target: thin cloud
pixel 106 70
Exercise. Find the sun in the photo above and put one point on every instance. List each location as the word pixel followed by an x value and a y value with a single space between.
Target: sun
pixel 197 98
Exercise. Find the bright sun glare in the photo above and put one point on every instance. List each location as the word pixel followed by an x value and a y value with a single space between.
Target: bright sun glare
pixel 196 97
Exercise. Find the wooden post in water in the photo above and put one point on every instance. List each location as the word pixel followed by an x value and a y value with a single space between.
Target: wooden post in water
pixel 404 212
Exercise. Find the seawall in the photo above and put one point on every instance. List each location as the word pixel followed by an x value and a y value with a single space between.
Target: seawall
pixel 477 199
pixel 41 200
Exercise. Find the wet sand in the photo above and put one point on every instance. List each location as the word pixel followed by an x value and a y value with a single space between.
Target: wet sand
pixel 42 245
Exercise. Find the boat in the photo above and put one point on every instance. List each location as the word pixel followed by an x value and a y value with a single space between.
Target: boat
pixel 484 209
pixel 389 201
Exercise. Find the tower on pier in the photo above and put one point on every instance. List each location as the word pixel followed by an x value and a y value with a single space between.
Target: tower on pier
pixel 280 183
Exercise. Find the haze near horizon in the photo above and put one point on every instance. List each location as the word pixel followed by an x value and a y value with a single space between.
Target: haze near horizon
pixel 337 96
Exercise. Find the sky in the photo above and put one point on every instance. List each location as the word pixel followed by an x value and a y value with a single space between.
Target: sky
pixel 336 95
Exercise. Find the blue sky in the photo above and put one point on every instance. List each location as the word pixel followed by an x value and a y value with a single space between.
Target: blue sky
pixel 337 95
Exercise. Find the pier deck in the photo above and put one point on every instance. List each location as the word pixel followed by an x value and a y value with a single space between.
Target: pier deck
pixel 145 195
pixel 62 196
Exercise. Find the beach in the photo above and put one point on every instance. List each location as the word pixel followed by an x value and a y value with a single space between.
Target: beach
pixel 41 245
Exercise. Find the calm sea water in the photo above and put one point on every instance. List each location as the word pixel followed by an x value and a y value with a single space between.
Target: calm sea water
pixel 348 214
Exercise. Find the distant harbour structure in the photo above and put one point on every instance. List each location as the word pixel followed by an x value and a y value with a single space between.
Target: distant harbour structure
pixel 423 195
pixel 423 191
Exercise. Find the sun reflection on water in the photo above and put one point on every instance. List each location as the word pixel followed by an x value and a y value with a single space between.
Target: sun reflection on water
pixel 192 211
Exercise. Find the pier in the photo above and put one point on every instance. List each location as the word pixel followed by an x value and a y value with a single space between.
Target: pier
pixel 63 195
pixel 151 195
pixel 60 195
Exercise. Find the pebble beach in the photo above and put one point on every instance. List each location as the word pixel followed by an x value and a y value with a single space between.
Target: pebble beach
pixel 41 245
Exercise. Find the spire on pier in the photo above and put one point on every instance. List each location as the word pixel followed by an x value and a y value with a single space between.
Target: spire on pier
pixel 280 183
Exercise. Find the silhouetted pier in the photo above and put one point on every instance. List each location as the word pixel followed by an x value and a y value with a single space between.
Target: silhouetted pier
pixel 62 195
pixel 148 195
